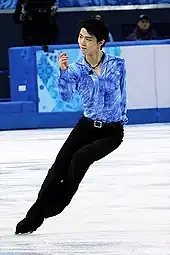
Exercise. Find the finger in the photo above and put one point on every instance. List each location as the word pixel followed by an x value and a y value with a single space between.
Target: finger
pixel 62 55
pixel 64 59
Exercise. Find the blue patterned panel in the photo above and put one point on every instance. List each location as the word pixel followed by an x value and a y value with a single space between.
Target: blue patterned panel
pixel 47 76
pixel 83 3
pixel 10 4
pixel 7 4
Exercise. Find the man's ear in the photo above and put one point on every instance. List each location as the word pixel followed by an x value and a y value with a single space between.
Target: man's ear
pixel 102 42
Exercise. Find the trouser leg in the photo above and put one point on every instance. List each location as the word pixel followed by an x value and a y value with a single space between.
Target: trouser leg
pixel 79 151
pixel 81 161
pixel 52 187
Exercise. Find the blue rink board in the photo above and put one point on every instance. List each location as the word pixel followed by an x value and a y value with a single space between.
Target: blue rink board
pixel 40 105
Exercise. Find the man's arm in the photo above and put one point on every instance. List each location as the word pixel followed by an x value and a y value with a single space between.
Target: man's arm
pixel 67 82
pixel 123 93
pixel 68 79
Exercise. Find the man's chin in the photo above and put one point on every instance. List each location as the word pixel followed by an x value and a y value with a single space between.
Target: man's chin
pixel 83 49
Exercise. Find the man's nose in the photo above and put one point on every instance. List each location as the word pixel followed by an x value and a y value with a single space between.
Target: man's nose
pixel 83 41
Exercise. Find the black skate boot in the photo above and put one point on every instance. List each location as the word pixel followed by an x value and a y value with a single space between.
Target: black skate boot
pixel 31 222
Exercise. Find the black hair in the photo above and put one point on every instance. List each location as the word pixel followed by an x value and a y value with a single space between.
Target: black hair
pixel 96 27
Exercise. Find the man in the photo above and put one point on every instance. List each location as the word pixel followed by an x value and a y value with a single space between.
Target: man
pixel 143 31
pixel 99 78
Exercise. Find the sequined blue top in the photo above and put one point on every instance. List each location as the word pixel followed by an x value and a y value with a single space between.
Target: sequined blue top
pixel 103 96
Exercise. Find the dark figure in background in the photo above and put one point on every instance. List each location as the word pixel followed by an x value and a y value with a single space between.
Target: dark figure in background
pixel 143 31
pixel 110 37
pixel 38 19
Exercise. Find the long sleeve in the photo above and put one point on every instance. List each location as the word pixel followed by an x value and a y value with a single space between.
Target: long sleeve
pixel 123 94
pixel 68 81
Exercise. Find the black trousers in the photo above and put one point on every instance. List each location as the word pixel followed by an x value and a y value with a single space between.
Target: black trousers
pixel 85 145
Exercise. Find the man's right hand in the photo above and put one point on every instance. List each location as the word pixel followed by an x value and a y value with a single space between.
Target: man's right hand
pixel 63 60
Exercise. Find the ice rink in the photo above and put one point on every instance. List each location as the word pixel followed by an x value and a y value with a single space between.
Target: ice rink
pixel 121 208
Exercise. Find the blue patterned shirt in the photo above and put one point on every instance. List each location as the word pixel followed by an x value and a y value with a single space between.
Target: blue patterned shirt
pixel 103 96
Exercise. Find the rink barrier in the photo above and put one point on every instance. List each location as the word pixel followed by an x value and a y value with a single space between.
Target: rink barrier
pixel 24 116
pixel 35 102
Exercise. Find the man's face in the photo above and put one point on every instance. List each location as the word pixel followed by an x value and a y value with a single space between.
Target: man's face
pixel 144 24
pixel 88 43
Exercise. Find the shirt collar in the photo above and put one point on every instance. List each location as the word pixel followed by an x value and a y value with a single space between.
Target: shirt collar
pixel 81 61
